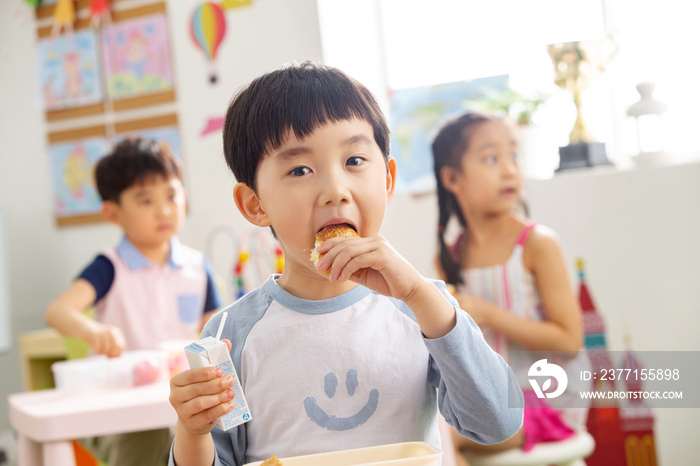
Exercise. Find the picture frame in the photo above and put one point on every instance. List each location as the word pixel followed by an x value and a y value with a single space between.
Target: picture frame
pixel 136 57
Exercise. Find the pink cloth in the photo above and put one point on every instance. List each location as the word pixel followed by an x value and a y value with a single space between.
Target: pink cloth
pixel 526 231
pixel 150 303
pixel 541 423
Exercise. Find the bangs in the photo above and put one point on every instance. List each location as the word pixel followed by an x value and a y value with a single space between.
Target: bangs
pixel 310 105
pixel 151 163
pixel 298 99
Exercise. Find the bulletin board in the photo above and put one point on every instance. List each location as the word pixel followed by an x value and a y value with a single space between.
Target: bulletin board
pixel 97 87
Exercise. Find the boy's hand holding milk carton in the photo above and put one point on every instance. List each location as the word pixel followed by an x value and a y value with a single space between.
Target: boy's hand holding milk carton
pixel 212 351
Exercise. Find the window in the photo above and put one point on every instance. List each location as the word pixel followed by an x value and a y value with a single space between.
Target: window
pixel 414 43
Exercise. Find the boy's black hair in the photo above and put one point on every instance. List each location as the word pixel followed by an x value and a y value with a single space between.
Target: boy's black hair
pixel 133 161
pixel 298 97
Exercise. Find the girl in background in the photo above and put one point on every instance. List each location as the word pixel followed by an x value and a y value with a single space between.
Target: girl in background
pixel 508 273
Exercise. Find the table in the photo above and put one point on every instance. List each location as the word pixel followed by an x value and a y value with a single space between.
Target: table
pixel 47 420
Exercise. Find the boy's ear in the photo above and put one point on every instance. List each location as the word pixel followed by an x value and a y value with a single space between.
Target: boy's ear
pixel 110 211
pixel 448 176
pixel 390 178
pixel 249 205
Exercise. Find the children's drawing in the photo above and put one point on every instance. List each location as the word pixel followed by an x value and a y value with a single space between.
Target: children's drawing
pixel 415 114
pixel 69 71
pixel 137 57
pixel 72 176
pixel 167 137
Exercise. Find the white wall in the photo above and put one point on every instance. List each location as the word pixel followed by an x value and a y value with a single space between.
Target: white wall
pixel 637 232
pixel 43 258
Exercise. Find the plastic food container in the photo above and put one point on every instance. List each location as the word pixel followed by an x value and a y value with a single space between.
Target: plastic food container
pixel 404 454
pixel 131 369
pixel 177 360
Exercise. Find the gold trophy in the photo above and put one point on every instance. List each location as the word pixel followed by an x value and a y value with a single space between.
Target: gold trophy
pixel 576 66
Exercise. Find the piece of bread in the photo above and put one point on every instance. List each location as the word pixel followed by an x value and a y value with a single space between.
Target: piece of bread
pixel 331 231
pixel 272 461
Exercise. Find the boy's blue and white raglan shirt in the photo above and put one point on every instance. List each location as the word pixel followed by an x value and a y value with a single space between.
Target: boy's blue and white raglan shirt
pixel 355 371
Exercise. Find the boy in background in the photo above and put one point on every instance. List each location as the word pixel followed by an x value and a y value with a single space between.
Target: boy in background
pixel 358 349
pixel 146 289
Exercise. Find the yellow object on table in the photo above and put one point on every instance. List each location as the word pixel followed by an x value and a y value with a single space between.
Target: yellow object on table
pixel 394 454
pixel 38 350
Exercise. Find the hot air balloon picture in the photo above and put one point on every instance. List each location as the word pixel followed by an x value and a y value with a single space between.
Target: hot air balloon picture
pixel 207 30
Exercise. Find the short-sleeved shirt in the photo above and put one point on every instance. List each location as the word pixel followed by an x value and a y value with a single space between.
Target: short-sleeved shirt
pixel 356 371
pixel 148 302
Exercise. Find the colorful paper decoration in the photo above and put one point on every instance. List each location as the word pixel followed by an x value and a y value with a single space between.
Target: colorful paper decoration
pixel 212 125
pixel 230 4
pixel 207 30
pixel 99 13
pixel 63 17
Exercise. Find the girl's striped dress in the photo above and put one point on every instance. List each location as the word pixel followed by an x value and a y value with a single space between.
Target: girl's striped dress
pixel 512 287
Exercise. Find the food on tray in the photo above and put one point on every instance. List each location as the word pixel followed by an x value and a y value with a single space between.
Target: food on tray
pixel 272 461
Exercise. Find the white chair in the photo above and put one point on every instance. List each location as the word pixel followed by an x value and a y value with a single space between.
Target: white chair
pixel 569 452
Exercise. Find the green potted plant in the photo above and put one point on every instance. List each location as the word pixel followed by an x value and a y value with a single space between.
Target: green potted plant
pixel 537 152
pixel 509 102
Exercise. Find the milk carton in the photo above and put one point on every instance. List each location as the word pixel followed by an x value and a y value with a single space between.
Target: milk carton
pixel 210 351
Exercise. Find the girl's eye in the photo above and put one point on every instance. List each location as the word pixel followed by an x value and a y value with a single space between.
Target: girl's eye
pixel 146 202
pixel 491 159
pixel 299 171
pixel 355 161
pixel 515 157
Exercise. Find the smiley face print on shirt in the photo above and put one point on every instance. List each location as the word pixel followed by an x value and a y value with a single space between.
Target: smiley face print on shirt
pixel 333 422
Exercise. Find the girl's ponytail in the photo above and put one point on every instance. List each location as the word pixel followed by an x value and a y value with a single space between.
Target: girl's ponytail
pixel 448 262
pixel 448 146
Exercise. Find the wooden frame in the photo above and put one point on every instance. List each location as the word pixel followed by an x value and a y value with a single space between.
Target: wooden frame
pixel 104 118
